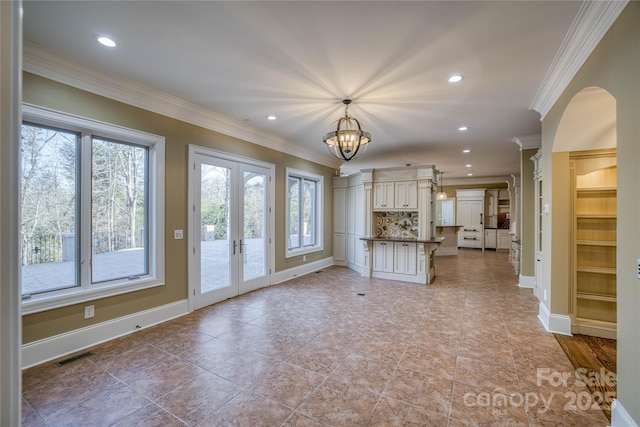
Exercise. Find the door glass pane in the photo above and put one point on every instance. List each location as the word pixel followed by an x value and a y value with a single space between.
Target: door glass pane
pixel 118 211
pixel 253 251
pixel 48 203
pixel 215 254
pixel 294 212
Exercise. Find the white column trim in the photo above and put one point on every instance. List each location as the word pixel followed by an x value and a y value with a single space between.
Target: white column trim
pixel 10 123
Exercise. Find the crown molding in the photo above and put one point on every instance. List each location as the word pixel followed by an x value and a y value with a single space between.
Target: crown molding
pixel 44 63
pixel 528 142
pixel 591 24
pixel 478 180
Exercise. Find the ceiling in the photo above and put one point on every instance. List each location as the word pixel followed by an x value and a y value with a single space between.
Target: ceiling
pixel 299 60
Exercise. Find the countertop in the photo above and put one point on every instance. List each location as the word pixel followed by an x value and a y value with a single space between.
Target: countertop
pixel 449 226
pixel 437 240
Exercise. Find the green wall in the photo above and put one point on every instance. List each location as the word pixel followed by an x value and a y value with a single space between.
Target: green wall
pixel 46 93
pixel 527 214
pixel 615 67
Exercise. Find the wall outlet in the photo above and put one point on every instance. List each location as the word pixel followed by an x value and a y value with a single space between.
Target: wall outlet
pixel 177 235
pixel 89 311
pixel 304 258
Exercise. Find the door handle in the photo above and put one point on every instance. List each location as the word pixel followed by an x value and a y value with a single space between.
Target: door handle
pixel 235 245
pixel 240 245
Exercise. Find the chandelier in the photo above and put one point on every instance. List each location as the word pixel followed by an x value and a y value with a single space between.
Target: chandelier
pixel 348 140
pixel 441 194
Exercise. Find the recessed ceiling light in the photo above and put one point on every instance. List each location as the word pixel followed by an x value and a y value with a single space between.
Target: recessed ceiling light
pixel 463 128
pixel 271 117
pixel 105 41
pixel 468 165
pixel 456 78
pixel 466 151
pixel 469 174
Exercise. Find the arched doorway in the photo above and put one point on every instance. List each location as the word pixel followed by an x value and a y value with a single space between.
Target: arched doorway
pixel 587 132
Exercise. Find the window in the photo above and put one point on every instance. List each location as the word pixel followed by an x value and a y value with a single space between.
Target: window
pixel 304 212
pixel 91 221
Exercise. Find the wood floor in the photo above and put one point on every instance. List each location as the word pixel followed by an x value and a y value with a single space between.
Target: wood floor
pixel 465 350
pixel 595 361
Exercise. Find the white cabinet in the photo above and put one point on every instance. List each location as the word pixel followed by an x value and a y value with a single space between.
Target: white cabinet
pixel 470 217
pixel 339 225
pixel 348 228
pixel 504 239
pixel 398 257
pixel 383 256
pixel 395 195
pixel 355 229
pixel 383 195
pixel 406 196
pixel 410 193
pixel 491 214
pixel 490 238
pixel 470 213
pixel 405 258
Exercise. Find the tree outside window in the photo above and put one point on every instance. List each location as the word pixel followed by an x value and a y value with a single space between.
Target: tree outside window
pixel 304 212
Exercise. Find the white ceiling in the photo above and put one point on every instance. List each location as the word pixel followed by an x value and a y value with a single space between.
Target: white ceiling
pixel 299 60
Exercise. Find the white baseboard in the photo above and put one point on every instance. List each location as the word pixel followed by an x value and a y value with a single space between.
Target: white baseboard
pixel 528 282
pixel 301 270
pixel 620 417
pixel 54 347
pixel 556 323
pixel 596 329
pixel 356 268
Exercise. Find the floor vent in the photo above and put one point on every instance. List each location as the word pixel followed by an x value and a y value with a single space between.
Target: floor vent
pixel 74 358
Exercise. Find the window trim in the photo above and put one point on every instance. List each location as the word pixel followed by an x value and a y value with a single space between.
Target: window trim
pixel 156 145
pixel 319 213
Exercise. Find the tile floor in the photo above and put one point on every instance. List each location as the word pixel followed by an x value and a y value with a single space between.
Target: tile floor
pixel 466 350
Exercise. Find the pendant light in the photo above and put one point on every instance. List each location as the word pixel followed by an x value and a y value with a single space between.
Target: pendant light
pixel 441 195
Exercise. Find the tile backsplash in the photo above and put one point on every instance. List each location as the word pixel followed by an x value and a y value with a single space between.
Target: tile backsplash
pixel 397 224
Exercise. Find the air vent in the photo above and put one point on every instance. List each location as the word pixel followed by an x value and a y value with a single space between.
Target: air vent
pixel 74 358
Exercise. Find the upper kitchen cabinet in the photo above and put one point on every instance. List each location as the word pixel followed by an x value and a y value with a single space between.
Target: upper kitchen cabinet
pixel 406 196
pixel 383 196
pixel 395 196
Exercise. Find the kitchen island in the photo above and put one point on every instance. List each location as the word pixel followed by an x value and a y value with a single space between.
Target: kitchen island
pixel 401 258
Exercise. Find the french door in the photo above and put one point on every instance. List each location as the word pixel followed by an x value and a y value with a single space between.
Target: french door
pixel 230 226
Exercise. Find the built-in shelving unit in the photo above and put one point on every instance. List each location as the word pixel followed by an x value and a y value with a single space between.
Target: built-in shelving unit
pixel 594 243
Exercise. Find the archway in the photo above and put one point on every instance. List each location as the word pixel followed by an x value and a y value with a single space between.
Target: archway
pixel 584 243
pixel 588 122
